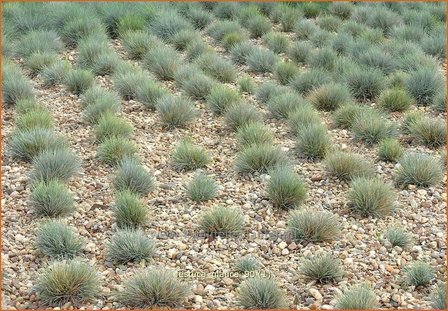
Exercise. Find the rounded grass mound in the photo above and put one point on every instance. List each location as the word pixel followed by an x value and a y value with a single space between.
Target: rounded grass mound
pixel 267 90
pixel 329 97
pixel 424 84
pixel 114 149
pixel 438 297
pixel 346 166
pixel 246 264
pixel 133 177
pixel 284 72
pixel 127 81
pixel 162 62
pixel 148 92
pixel 38 41
pixel 136 44
pixel 96 95
pixel 313 141
pixel 15 86
pixel 389 149
pixel 129 211
pixel 418 169
pixel 58 164
pixel 110 125
pixel 55 73
pixel 398 237
pixel 79 80
pixel 68 281
pixel 430 132
pixel 312 226
pixel 371 197
pixel 259 158
pixel 261 60
pixel 285 189
pixel 395 100
pixel 247 85
pixel 93 113
pixel 176 111
pixel 254 134
pixel 221 98
pixel 276 42
pixel 344 115
pixel 196 85
pixel 201 188
pixel 57 240
pixel 240 115
pixel 222 221
pixel 419 274
pixel 28 144
pixel 305 82
pixel 280 106
pixel 301 117
pixel 370 127
pixel 217 67
pixel 323 268
pixel 260 293
pixel 51 199
pixel 153 288
pixel 187 156
pixel 34 119
pixel 38 61
pixel 360 297
pixel 365 84
pixel 130 245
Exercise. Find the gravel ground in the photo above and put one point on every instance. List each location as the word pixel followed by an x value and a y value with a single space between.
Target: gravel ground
pixel 364 256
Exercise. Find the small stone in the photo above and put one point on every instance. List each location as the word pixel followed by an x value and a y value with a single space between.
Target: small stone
pixel 285 251
pixel 227 281
pixel 90 247
pixel 199 290
pixel 396 297
pixel 326 307
pixel 282 245
pixel 210 289
pixel 316 178
pixel 422 192
pixel 348 261
pixel 292 246
pixel 198 299
pixel 315 293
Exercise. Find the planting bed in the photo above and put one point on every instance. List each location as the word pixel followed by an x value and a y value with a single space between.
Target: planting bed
pixel 224 155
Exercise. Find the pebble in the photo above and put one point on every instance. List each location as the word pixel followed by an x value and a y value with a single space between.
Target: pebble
pixel 282 245
pixel 315 293
pixel 292 246
pixel 198 299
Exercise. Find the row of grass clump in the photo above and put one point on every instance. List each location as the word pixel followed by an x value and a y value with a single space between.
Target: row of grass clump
pixel 53 164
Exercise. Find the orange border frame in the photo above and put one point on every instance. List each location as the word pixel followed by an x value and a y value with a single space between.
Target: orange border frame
pixel 1 110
